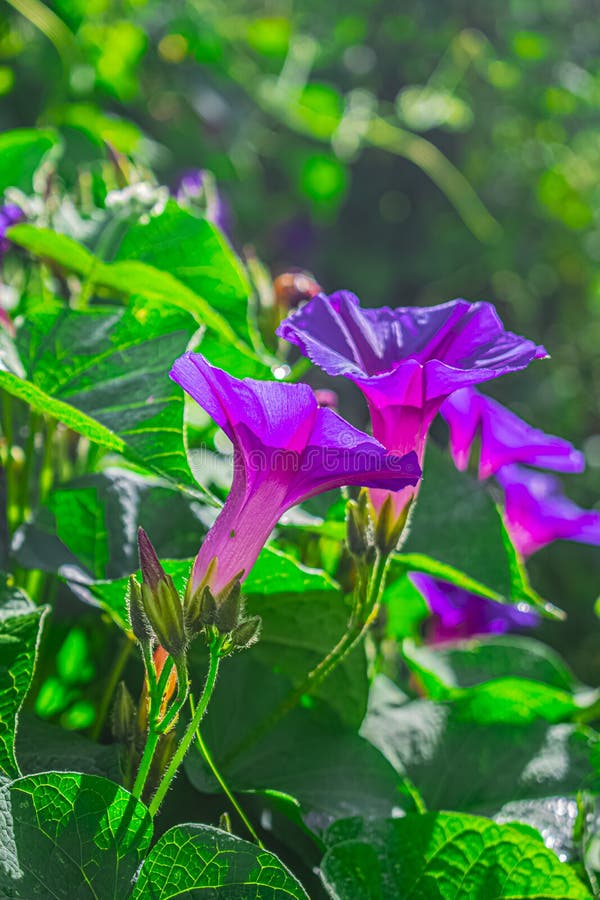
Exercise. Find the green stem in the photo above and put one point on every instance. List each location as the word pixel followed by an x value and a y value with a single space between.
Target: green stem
pixel 111 686
pixel 47 468
pixel 211 678
pixel 7 428
pixel 182 693
pixel 24 504
pixel 205 752
pixel 365 610
pixel 145 763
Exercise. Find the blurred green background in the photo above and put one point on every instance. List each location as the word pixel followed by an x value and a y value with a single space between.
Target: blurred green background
pixel 412 152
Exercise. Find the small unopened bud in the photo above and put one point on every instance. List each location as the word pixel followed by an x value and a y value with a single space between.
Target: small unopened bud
pixel 160 600
pixel 138 619
pixel 359 527
pixel 229 607
pixel 200 610
pixel 291 288
pixel 389 526
pixel 123 715
pixel 246 633
pixel 225 823
pixel 152 570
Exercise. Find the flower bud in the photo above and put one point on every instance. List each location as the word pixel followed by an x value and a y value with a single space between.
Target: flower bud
pixel 229 606
pixel 138 619
pixel 389 526
pixel 123 715
pixel 160 600
pixel 200 610
pixel 246 633
pixel 291 288
pixel 359 527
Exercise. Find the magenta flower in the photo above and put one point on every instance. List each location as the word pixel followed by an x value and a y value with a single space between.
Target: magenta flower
pixel 10 214
pixel 504 437
pixel 286 449
pixel 407 360
pixel 458 614
pixel 538 513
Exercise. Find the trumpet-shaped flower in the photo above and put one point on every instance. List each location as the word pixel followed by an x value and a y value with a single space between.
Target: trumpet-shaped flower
pixel 459 614
pixel 408 360
pixel 538 513
pixel 286 449
pixel 504 437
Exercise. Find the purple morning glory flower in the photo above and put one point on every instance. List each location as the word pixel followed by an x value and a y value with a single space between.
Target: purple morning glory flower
pixel 10 214
pixel 286 449
pixel 458 614
pixel 199 184
pixel 407 360
pixel 538 513
pixel 504 437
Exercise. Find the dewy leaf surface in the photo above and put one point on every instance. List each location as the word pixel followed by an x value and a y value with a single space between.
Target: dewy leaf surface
pixel 69 835
pixel 200 861
pixel 444 856
pixel 104 373
pixel 20 624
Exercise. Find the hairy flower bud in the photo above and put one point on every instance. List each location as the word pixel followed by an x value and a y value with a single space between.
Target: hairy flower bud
pixel 389 526
pixel 161 602
pixel 200 610
pixel 229 606
pixel 359 527
pixel 247 633
pixel 138 619
pixel 123 715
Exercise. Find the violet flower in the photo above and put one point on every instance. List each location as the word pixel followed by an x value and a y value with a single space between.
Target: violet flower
pixel 406 361
pixel 10 214
pixel 504 437
pixel 199 184
pixel 538 513
pixel 458 614
pixel 286 449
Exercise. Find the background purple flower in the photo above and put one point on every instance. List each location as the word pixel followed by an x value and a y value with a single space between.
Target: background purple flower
pixel 459 614
pixel 504 437
pixel 407 360
pixel 199 184
pixel 538 513
pixel 286 449
pixel 10 214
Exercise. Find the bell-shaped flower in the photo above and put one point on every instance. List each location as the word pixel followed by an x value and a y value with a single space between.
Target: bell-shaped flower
pixel 10 214
pixel 504 438
pixel 458 614
pixel 286 449
pixel 538 513
pixel 406 361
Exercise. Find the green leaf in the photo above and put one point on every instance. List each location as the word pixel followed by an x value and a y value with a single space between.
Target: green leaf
pixel 501 679
pixel 457 534
pixel 193 860
pixel 330 771
pixel 132 278
pixel 196 253
pixel 20 628
pixel 70 835
pixel 43 745
pixel 105 374
pixel 22 151
pixel 445 856
pixel 87 529
pixel 499 763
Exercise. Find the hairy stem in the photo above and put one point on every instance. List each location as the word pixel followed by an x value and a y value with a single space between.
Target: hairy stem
pixel 211 678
